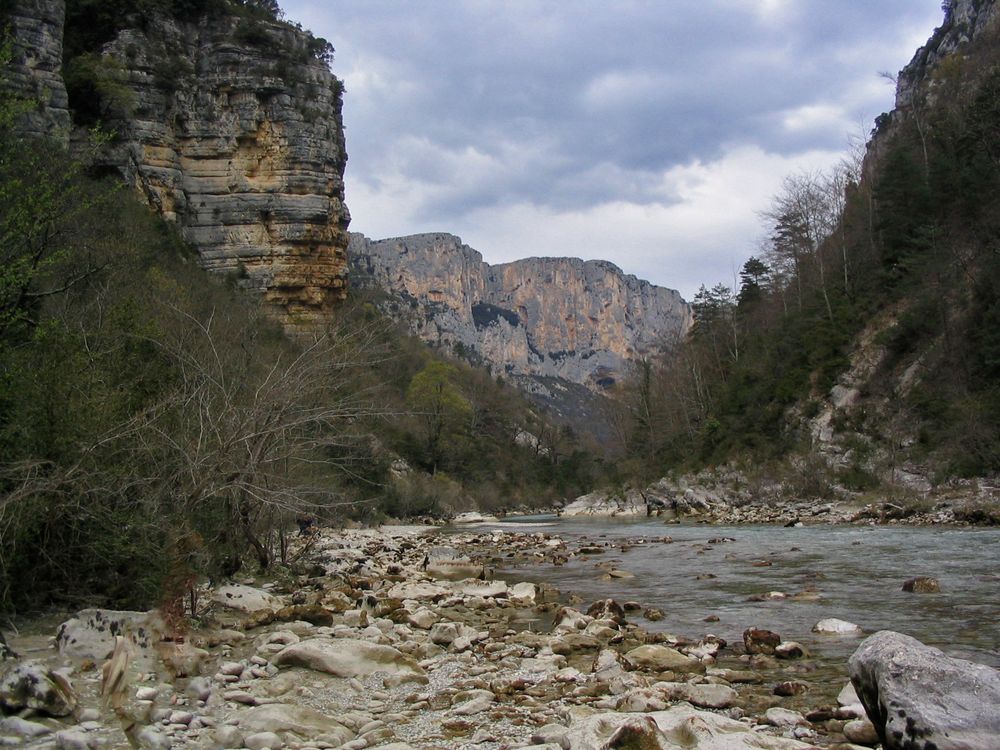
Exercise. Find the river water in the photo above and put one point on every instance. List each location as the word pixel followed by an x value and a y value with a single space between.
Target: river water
pixel 856 571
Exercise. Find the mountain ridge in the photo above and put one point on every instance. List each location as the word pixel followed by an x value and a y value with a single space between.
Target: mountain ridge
pixel 583 321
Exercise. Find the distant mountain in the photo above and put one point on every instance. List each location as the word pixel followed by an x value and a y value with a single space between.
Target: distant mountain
pixel 549 324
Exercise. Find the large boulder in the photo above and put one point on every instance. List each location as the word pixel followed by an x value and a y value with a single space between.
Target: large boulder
pixel 90 636
pixel 347 657
pixel 245 598
pixel 919 698
pixel 306 722
pixel 32 685
pixel 604 504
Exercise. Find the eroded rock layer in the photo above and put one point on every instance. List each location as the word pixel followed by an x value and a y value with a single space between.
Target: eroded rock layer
pixel 581 321
pixel 230 127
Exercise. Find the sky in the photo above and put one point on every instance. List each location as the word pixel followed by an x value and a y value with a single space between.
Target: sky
pixel 651 133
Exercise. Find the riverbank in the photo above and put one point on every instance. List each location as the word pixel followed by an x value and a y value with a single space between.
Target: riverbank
pixel 387 639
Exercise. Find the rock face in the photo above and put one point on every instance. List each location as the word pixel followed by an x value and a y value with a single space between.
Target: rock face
pixel 35 70
pixel 917 697
pixel 231 128
pixel 578 321
pixel 964 21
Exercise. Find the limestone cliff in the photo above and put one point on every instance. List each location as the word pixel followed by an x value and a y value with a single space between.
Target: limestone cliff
pixel 230 126
pixel 35 70
pixel 578 321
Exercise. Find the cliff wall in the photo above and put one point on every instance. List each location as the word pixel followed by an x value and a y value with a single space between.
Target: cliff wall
pixel 580 321
pixel 229 126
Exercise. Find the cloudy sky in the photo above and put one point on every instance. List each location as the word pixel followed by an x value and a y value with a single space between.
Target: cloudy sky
pixel 647 132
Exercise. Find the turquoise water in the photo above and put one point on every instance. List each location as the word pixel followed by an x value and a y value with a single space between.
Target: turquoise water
pixel 857 572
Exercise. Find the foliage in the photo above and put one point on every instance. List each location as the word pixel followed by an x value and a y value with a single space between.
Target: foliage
pixel 909 235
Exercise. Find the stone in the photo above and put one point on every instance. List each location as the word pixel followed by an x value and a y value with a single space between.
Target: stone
pixel 681 726
pixel 245 598
pixel 916 696
pixel 833 626
pixel 485 589
pixel 228 736
pixel 861 732
pixel 75 739
pixel 301 720
pixel 423 618
pixel 418 591
pixel 652 658
pixel 480 701
pixel 790 688
pixel 347 657
pixel 524 593
pixel 263 741
pixel 600 503
pixel 30 684
pixel 443 633
pixel 922 585
pixel 607 609
pixel 22 727
pixel 151 738
pixel 759 641
pixel 783 717
pixel 89 636
pixel 790 650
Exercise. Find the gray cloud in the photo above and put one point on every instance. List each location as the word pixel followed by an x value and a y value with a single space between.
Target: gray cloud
pixel 461 109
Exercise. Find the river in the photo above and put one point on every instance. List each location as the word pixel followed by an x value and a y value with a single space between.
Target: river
pixel 857 572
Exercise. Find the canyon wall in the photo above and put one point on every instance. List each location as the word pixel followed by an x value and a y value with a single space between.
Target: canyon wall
pixel 580 321
pixel 229 126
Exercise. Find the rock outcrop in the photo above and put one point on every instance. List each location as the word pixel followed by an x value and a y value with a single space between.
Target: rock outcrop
pixel 229 126
pixel 35 70
pixel 579 321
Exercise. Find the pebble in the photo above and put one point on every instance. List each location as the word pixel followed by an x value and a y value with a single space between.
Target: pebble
pixel 146 694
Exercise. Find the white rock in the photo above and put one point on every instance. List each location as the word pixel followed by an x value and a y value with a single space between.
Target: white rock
pixel 146 694
pixel 423 618
pixel 478 703
pixel 347 657
pixel 418 591
pixel 783 717
pixel 833 626
pixel 229 736
pixel 245 598
pixel 90 636
pixel 485 589
pixel 523 593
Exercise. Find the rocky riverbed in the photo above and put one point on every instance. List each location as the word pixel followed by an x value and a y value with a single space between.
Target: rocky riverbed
pixel 401 637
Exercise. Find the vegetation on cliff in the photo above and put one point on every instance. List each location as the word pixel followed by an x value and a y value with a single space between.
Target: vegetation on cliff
pixel 892 257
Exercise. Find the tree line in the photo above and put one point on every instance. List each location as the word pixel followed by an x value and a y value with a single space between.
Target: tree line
pixel 900 239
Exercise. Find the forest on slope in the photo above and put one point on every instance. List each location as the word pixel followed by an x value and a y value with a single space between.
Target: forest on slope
pixel 158 426
pixel 873 303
